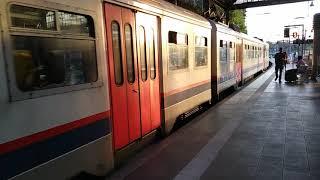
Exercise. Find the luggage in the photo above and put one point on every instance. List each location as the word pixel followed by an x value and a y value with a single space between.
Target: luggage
pixel 291 75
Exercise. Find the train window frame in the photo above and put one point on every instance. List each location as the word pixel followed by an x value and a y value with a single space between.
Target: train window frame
pixel 202 45
pixel 175 42
pixel 15 93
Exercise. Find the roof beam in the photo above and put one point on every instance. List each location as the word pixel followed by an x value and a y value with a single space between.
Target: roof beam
pixel 252 4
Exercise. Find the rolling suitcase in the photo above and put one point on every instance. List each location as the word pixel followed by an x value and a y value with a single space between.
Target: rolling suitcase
pixel 291 75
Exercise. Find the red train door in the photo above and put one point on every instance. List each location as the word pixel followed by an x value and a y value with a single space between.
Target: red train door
pixel 148 57
pixel 131 93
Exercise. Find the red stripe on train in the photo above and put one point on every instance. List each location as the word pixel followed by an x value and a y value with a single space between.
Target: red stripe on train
pixel 43 135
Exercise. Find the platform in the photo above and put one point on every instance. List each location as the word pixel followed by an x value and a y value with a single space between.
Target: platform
pixel 265 131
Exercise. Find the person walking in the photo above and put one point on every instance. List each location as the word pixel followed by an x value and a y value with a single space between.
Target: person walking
pixel 279 61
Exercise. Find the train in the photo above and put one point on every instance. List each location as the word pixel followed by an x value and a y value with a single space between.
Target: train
pixel 81 81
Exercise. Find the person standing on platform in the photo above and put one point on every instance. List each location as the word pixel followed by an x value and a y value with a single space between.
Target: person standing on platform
pixel 279 61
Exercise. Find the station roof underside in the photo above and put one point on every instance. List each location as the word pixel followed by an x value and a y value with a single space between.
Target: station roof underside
pixel 242 4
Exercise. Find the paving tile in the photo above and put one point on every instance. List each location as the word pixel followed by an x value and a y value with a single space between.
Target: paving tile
pixel 271 167
pixel 295 147
pixel 292 175
pixel 314 162
pixel 273 150
pixel 268 177
pixel 315 177
pixel 313 148
pixel 312 138
pixel 297 163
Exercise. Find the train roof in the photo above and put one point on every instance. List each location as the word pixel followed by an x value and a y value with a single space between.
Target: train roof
pixel 217 26
pixel 164 8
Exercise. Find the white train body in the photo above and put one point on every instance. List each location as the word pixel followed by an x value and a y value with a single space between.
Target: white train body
pixel 82 80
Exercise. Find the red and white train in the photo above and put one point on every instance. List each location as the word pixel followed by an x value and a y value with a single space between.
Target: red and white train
pixel 81 80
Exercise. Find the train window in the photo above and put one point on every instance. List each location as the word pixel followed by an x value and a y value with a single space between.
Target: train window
pixel 42 63
pixel 172 36
pixel 143 56
pixel 201 51
pixel 232 52
pixel 129 53
pixel 32 18
pixel 223 50
pixel 117 58
pixel 178 50
pixel 75 24
pixel 152 57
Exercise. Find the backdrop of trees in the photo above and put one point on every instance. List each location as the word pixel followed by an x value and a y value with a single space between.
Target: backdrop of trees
pixel 236 17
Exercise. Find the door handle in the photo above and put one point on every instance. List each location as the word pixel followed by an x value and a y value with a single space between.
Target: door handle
pixel 136 91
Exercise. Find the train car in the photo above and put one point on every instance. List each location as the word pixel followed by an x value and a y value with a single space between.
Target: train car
pixel 266 56
pixel 252 61
pixel 236 57
pixel 83 80
pixel 224 42
pixel 54 95
pixel 186 66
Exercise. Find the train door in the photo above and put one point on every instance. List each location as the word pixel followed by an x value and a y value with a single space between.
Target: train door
pixel 239 61
pixel 133 95
pixel 148 58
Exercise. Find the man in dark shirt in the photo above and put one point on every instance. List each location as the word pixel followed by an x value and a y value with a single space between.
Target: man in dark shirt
pixel 279 61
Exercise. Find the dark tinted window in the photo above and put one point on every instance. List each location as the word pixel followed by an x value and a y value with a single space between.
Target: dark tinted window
pixel 152 57
pixel 143 59
pixel 42 63
pixel 129 53
pixel 33 18
pixel 76 24
pixel 117 59
pixel 172 37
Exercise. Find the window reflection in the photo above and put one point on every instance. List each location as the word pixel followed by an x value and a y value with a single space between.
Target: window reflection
pixel 74 23
pixel 143 55
pixel 129 53
pixel 117 58
pixel 178 50
pixel 201 52
pixel 42 63
pixel 33 18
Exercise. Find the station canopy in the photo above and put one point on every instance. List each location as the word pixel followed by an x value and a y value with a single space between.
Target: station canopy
pixel 243 4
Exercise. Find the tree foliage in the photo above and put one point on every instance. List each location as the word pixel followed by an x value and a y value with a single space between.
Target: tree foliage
pixel 192 5
pixel 238 17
